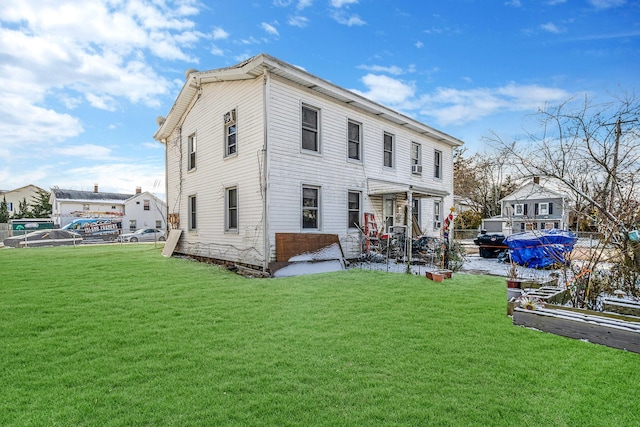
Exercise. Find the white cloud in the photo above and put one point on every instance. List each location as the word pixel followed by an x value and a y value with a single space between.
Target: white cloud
pixel 85 151
pixel 552 28
pixel 386 90
pixel 453 106
pixel 341 3
pixel 298 21
pixel 449 106
pixel 270 29
pixel 303 4
pixel 99 52
pixel 607 4
pixel 219 34
pixel 395 70
pixel 419 45
pixel 350 21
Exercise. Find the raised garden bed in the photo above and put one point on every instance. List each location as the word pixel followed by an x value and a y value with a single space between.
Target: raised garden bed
pixel 617 331
pixel 630 308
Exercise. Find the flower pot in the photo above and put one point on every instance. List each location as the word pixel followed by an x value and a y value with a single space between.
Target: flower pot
pixel 436 276
pixel 514 283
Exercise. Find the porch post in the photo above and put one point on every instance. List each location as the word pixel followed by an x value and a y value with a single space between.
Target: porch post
pixel 409 239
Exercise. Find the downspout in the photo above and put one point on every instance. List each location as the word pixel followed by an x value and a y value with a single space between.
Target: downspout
pixel 266 247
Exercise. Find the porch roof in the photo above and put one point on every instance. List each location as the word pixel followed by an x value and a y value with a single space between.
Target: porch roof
pixel 377 187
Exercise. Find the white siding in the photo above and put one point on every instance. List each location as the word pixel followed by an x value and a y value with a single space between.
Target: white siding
pixel 214 172
pixel 290 168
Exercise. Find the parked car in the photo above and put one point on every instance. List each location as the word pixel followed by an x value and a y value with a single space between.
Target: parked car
pixel 44 238
pixel 143 235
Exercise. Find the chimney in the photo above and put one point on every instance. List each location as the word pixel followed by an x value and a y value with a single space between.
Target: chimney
pixel 138 190
pixel 536 180
pixel 95 188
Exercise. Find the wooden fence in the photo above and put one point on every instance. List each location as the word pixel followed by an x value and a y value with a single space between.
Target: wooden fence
pixel 4 231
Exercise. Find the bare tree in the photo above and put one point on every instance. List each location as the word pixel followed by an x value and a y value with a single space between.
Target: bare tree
pixel 593 150
pixel 482 179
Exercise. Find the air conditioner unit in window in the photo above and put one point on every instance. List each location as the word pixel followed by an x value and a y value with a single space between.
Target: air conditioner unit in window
pixel 230 117
pixel 416 169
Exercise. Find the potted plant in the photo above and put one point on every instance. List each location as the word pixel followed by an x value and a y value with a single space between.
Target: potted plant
pixel 513 281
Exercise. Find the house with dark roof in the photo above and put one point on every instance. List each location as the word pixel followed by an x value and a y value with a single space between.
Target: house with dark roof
pixel 138 210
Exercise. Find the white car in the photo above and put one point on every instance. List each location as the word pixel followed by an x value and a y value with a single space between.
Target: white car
pixel 143 235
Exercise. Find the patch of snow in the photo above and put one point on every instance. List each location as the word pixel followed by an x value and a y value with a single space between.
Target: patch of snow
pixel 331 252
pixel 303 267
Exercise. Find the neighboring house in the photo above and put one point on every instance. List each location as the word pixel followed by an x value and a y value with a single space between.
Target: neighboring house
pixel 532 207
pixel 264 147
pixel 17 196
pixel 139 210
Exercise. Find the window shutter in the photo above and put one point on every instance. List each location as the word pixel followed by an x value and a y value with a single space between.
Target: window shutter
pixel 526 205
pixel 535 209
pixel 550 208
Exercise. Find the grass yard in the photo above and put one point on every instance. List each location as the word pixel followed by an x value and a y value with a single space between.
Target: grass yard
pixel 117 335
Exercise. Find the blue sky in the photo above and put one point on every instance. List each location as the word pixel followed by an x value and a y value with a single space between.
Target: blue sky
pixel 82 82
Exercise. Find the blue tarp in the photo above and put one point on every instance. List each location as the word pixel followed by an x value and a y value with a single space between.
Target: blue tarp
pixel 540 249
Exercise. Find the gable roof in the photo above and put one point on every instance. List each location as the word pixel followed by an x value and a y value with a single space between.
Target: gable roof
pixel 15 190
pixel 532 190
pixel 259 65
pixel 77 195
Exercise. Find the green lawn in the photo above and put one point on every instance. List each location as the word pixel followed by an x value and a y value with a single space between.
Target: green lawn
pixel 118 335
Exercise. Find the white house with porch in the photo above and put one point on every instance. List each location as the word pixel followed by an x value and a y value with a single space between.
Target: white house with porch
pixel 264 147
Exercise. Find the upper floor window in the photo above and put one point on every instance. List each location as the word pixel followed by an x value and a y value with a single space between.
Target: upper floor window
pixel 310 207
pixel 519 209
pixel 310 128
pixel 230 129
pixel 192 213
pixel 191 149
pixel 437 164
pixel 416 158
pixel 231 219
pixel 544 209
pixel 353 209
pixel 147 205
pixel 354 137
pixel 388 150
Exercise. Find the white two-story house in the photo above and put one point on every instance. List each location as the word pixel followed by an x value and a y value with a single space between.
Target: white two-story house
pixel 264 147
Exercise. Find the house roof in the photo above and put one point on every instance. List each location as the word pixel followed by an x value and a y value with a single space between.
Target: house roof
pixel 258 65
pixel 77 195
pixel 532 190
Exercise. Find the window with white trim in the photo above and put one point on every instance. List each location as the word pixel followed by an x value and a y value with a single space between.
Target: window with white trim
pixel 192 213
pixel 310 207
pixel 231 203
pixel 353 209
pixel 518 209
pixel 416 158
pixel 354 136
pixel 230 133
pixel 146 205
pixel 191 150
pixel 437 220
pixel 388 148
pixel 310 128
pixel 543 209
pixel 437 164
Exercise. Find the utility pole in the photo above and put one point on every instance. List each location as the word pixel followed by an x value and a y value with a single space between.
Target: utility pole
pixel 614 167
